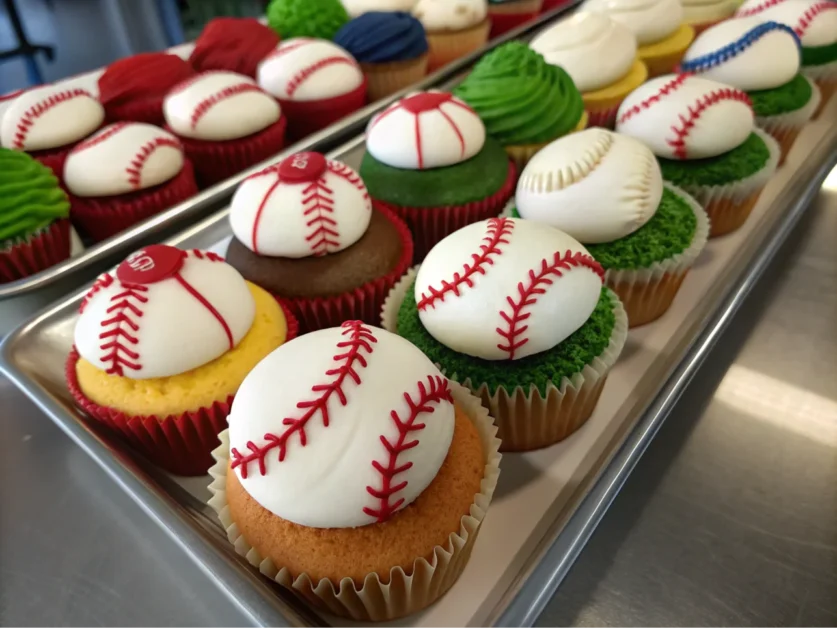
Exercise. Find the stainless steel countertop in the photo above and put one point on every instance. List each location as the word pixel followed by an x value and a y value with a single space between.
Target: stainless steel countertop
pixel 729 519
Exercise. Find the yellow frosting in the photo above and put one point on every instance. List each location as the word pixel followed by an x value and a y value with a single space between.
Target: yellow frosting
pixel 615 93
pixel 662 57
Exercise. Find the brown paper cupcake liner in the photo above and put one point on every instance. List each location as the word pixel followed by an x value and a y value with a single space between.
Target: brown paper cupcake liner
pixel 447 46
pixel 39 251
pixel 825 77
pixel 382 596
pixel 520 154
pixel 384 79
pixel 786 127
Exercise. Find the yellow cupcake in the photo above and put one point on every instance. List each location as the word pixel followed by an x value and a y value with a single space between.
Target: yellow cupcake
pixel 521 154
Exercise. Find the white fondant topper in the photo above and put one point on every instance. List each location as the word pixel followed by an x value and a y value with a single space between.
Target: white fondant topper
pixel 218 106
pixel 341 427
pixel 359 7
pixel 747 53
pixel 425 130
pixel 650 20
pixel 163 312
pixel 594 49
pixel 309 69
pixel 306 205
pixel 50 117
pixel 123 157
pixel 443 15
pixel 596 186
pixel 506 288
pixel 686 117
pixel 815 21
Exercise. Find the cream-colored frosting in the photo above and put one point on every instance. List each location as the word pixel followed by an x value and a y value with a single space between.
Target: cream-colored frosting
pixel 450 15
pixel 359 7
pixel 649 20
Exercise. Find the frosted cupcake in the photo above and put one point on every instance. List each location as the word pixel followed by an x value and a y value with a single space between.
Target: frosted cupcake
pixel 320 19
pixel 506 15
pixel 235 44
pixel 359 7
pixel 454 28
pixel 600 55
pixel 701 14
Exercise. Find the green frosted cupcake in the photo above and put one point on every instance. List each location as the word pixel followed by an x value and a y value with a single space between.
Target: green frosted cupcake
pixel 306 18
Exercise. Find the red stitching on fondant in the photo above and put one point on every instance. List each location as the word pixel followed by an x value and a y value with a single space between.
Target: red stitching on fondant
pixel 809 15
pixel 211 308
pixel 102 282
pixel 318 208
pixel 359 340
pixel 134 170
pixel 187 83
pixel 528 295
pixel 282 50
pixel 126 308
pixel 101 137
pixel 228 92
pixel 671 86
pixel 207 255
pixel 384 114
pixel 436 390
pixel 344 172
pixel 29 116
pixel 258 218
pixel 300 77
pixel 455 130
pixel 759 8
pixel 11 95
pixel 497 233
pixel 687 123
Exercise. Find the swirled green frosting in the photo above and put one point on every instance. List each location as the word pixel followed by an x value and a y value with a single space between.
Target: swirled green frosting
pixel 520 97
pixel 306 18
pixel 30 198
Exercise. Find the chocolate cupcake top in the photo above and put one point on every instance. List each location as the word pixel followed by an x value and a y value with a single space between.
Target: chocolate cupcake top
pixel 650 20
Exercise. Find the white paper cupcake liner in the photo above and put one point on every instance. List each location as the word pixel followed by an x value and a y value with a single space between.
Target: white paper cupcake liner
pixel 825 76
pixel 403 593
pixel 786 127
pixel 526 419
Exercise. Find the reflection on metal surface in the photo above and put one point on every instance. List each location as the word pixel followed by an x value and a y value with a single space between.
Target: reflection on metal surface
pixel 830 183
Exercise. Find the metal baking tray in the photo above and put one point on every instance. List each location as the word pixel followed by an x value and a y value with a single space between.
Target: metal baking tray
pixel 548 502
pixel 20 299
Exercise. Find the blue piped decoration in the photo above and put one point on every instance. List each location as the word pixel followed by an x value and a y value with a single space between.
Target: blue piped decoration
pixel 714 59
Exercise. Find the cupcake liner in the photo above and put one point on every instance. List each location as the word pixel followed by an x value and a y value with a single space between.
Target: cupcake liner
pixel 429 225
pixel 35 253
pixel 148 110
pixel 216 161
pixel 786 127
pixel 548 5
pixel 520 154
pixel 507 16
pixel 54 158
pixel 181 444
pixel 527 420
pixel 604 117
pixel 447 46
pixel 309 116
pixel 384 79
pixel 647 293
pixel 825 77
pixel 100 218
pixel 383 596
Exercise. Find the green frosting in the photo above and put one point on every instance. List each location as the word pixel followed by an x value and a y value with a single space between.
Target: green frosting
pixel 791 96
pixel 306 18
pixel 819 55
pixel 739 163
pixel 564 360
pixel 476 179
pixel 520 97
pixel 30 198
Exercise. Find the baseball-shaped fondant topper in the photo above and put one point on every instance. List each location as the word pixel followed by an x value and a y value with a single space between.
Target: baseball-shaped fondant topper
pixel 814 21
pixel 506 288
pixel 218 106
pixel 50 117
pixel 650 20
pixel 425 130
pixel 748 53
pixel 595 185
pixel 309 69
pixel 306 205
pixel 594 49
pixel 163 312
pixel 123 157
pixel 686 117
pixel 341 427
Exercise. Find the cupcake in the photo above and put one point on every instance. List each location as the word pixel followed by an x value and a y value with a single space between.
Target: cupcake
pixel 235 44
pixel 391 507
pixel 359 7
pixel 701 14
pixel 600 55
pixel 815 22
pixel 47 122
pixel 320 19
pixel 428 160
pixel 315 81
pixel 132 89
pixel 454 28
pixel 390 47
pixel 658 27
pixel 34 210
pixel 509 14
pixel 524 101
pixel 606 191
pixel 161 347
pixel 705 139
pixel 305 231
pixel 516 312
pixel 205 113
pixel 125 173
pixel 762 59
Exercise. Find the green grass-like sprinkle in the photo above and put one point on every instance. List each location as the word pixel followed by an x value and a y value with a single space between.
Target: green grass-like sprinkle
pixel 791 96
pixel 739 163
pixel 819 55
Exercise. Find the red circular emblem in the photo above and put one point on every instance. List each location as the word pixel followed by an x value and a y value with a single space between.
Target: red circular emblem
pixel 425 101
pixel 154 263
pixel 302 167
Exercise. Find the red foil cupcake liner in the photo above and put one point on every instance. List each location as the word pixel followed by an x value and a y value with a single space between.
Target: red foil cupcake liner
pixel 148 110
pixel 604 118
pixel 102 217
pixel 40 251
pixel 429 225
pixel 53 159
pixel 309 116
pixel 216 161
pixel 501 23
pixel 181 444
pixel 548 5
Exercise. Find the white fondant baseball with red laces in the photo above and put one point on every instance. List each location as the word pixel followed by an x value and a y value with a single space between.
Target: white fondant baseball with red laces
pixel 425 130
pixel 50 117
pixel 815 21
pixel 341 428
pixel 306 205
pixel 748 53
pixel 686 117
pixel 440 15
pixel 123 157
pixel 218 106
pixel 596 186
pixel 650 21
pixel 594 49
pixel 506 288
pixel 163 312
pixel 309 69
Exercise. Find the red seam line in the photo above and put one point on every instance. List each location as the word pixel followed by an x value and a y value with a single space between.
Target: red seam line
pixel 278 52
pixel 93 141
pixel 260 211
pixel 207 103
pixel 809 15
pixel 455 130
pixel 203 301
pixel 759 8
pixel 208 255
pixel 299 78
pixel 344 172
pixel 29 116
pixel 696 111
pixel 187 83
pixel 318 197
pixel 418 142
pixel 102 282
pixel 349 358
pixel 671 86
pixel 384 114
pixel 134 170
pixel 126 307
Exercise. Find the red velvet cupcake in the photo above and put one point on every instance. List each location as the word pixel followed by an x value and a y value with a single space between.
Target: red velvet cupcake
pixel 234 44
